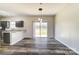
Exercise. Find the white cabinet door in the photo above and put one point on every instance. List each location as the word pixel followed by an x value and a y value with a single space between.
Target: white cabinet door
pixel 16 37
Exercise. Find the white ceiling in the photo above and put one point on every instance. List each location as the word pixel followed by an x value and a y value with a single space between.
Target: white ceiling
pixel 30 8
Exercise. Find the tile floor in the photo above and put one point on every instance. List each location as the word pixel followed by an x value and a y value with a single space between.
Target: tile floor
pixel 36 47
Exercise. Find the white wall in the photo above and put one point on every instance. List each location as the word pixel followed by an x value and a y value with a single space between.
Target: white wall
pixel 29 21
pixel 67 26
pixel 28 24
pixel 46 18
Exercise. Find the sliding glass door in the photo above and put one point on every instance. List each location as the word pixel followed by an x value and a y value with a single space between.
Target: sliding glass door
pixel 39 29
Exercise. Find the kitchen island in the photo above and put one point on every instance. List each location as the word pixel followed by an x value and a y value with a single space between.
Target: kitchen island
pixel 11 37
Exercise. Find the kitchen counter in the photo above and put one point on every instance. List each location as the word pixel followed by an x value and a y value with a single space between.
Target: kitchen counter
pixel 14 35
pixel 12 31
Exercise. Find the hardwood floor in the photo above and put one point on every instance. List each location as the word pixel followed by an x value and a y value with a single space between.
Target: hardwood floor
pixel 32 47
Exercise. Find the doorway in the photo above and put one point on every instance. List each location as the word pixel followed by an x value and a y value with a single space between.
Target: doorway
pixel 40 29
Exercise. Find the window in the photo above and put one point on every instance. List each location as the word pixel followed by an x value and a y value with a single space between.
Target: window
pixel 12 24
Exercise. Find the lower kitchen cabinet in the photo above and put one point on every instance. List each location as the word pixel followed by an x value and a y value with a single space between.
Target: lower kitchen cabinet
pixel 6 37
pixel 12 37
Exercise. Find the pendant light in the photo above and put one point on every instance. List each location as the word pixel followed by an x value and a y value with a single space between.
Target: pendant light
pixel 40 9
pixel 40 19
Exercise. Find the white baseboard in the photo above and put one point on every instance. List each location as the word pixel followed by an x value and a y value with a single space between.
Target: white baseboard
pixel 69 47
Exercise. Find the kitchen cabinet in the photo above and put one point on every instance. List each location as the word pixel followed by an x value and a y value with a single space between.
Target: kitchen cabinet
pixel 12 37
pixel 19 23
pixel 6 38
pixel 5 24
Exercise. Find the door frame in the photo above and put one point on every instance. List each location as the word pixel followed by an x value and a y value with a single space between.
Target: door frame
pixel 33 29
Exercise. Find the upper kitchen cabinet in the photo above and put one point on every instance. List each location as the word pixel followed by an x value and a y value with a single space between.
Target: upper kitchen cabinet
pixel 5 24
pixel 19 24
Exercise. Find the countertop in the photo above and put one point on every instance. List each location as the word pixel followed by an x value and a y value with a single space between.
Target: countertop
pixel 14 30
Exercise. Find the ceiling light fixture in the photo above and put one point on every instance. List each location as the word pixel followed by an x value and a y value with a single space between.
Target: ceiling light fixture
pixel 40 9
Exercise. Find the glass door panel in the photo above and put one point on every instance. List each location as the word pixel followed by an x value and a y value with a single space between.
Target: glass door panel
pixel 36 29
pixel 43 29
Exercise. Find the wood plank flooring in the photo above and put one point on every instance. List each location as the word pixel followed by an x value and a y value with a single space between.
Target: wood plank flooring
pixel 30 47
